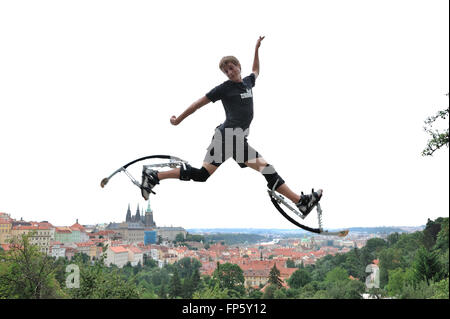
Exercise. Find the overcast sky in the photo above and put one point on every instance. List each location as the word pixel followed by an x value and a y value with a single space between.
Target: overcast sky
pixel 343 91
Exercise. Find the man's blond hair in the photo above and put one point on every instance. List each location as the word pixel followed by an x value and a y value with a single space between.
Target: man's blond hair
pixel 229 59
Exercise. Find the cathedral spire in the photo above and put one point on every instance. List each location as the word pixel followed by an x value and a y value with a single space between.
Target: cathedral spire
pixel 137 218
pixel 148 219
pixel 128 218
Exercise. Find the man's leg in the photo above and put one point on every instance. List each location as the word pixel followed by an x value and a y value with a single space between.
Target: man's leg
pixel 176 173
pixel 150 178
pixel 261 165
pixel 305 203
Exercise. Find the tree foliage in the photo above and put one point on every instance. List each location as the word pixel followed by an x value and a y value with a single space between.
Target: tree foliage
pixel 438 138
pixel 274 277
pixel 299 279
pixel 175 286
pixel 230 277
pixel 26 273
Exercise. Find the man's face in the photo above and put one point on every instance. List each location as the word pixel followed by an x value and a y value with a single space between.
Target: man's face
pixel 233 72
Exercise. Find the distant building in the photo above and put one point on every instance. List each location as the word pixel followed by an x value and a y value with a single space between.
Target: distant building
pixel 57 250
pixel 170 233
pixel 135 256
pixel 150 237
pixel 135 227
pixel 256 277
pixel 40 235
pixel 132 230
pixel 146 220
pixel 5 228
pixel 117 256
pixel 73 234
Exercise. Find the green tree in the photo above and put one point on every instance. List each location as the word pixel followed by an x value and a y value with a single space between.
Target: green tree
pixel 162 292
pixel 254 293
pixel 175 287
pixel 390 259
pixel 354 289
pixel 444 261
pixel 290 263
pixel 196 280
pixel 441 289
pixel 420 290
pixel 398 279
pixel 230 277
pixel 99 282
pixel 353 264
pixel 339 288
pixel 299 278
pixel 214 292
pixel 426 266
pixel 179 238
pixel 442 240
pixel 274 277
pixel 269 292
pixel 307 291
pixel 187 288
pixel 437 138
pixel 374 245
pixel 392 239
pixel 280 293
pixel 336 275
pixel 26 273
pixel 431 232
pixel 186 267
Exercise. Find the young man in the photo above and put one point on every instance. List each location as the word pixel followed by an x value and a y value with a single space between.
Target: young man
pixel 230 138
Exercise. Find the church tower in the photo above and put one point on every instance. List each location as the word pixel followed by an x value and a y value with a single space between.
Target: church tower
pixel 128 218
pixel 137 218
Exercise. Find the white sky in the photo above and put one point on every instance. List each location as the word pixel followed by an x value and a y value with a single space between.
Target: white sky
pixel 344 88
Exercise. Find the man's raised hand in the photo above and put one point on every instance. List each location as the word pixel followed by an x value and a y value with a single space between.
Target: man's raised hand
pixel 258 43
pixel 173 120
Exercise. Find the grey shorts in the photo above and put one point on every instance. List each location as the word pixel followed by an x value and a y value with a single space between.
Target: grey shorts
pixel 230 143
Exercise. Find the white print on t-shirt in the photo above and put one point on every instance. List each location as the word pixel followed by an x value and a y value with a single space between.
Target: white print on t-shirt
pixel 247 94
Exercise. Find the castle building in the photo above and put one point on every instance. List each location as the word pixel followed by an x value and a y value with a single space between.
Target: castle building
pixel 146 220
pixel 135 228
pixel 132 230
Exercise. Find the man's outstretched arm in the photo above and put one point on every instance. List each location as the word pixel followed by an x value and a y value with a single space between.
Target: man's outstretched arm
pixel 255 68
pixel 191 109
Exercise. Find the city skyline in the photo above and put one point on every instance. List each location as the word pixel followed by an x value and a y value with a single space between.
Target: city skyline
pixel 205 229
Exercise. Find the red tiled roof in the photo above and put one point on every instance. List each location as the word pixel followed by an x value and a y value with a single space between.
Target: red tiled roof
pixel 118 249
pixel 46 224
pixel 5 247
pixel 63 230
pixel 78 227
pixel 135 250
pixel 85 244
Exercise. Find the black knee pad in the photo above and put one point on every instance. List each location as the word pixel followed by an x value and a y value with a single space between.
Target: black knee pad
pixel 272 177
pixel 198 175
pixel 185 172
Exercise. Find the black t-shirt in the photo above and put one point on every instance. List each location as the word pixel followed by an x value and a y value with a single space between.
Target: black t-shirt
pixel 237 100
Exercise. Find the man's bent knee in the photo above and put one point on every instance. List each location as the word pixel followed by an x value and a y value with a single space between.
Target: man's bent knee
pixel 188 172
pixel 272 177
pixel 257 164
pixel 210 167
